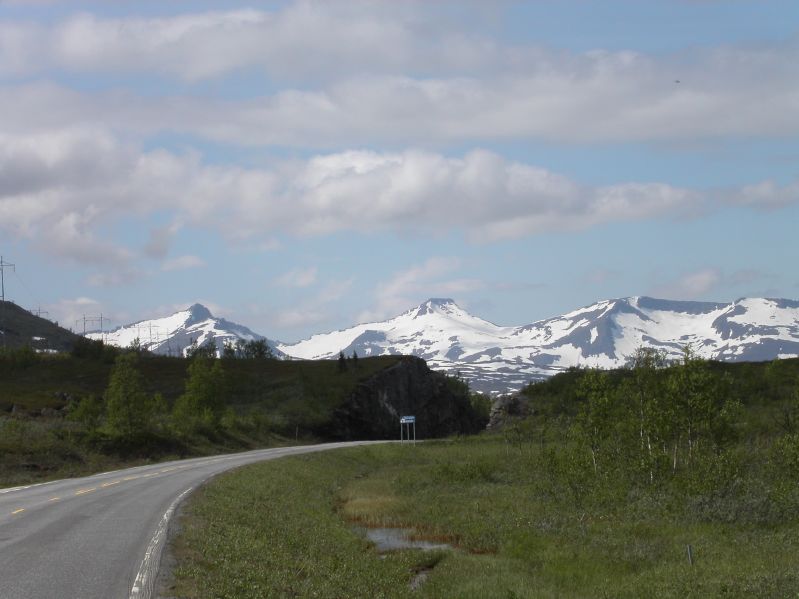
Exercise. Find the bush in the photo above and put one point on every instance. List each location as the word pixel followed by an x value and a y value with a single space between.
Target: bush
pixel 129 410
pixel 202 405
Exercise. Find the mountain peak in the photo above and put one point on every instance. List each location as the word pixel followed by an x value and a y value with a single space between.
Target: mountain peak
pixel 601 335
pixel 173 334
pixel 435 305
pixel 439 301
pixel 199 312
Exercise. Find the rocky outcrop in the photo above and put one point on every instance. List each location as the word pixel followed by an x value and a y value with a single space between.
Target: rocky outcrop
pixel 441 405
pixel 508 408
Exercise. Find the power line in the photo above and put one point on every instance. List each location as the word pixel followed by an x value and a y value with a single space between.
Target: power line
pixel 90 320
pixel 3 265
pixel 38 311
pixel 34 298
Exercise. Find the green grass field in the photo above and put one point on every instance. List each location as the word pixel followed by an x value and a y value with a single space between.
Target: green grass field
pixel 284 529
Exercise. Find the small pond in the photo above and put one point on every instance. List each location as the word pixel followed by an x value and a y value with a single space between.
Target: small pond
pixel 393 539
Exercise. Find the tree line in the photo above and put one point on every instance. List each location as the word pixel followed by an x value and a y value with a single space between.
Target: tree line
pixel 718 439
pixel 126 411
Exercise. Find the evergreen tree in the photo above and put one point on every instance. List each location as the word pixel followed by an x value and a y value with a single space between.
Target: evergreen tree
pixel 342 362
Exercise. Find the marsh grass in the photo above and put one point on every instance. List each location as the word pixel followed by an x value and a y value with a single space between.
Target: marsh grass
pixel 284 529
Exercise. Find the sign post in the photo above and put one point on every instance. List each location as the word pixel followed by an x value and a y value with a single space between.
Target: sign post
pixel 407 421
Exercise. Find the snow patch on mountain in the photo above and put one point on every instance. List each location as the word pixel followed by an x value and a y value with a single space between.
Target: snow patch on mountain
pixel 605 334
pixel 174 334
pixel 504 358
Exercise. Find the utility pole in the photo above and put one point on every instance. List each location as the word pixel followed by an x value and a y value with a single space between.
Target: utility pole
pixel 38 311
pixel 90 320
pixel 3 265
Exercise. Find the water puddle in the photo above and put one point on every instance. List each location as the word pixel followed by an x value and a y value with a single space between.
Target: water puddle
pixel 386 540
pixel 395 539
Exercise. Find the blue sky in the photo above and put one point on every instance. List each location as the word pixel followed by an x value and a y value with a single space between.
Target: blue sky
pixel 302 166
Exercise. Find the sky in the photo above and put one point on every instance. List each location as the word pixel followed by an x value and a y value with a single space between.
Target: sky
pixel 299 167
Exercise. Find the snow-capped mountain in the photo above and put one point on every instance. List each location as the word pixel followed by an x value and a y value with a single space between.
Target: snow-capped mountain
pixel 172 335
pixel 497 359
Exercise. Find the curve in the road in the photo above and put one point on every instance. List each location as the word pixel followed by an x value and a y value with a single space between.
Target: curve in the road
pixel 101 536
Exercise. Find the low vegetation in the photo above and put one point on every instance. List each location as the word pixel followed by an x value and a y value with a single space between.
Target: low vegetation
pixel 662 480
pixel 99 407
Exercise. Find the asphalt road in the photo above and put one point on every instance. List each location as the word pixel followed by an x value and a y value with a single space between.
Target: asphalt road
pixel 101 536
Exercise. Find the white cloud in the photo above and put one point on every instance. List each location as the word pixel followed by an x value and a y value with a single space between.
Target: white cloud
pixel 313 310
pixel 412 286
pixel 335 290
pixel 299 277
pixel 767 194
pixel 692 285
pixel 67 311
pixel 302 39
pixel 182 263
pixel 299 317
pixel 379 79
pixel 600 276
pixel 704 282
pixel 62 190
pixel 114 277
pixel 159 240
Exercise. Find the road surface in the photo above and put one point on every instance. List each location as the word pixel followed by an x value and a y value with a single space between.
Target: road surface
pixel 101 536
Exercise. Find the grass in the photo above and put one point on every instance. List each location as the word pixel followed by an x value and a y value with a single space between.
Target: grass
pixel 284 529
pixel 42 449
pixel 269 532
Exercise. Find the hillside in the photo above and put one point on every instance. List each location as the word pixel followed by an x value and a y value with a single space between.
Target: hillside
pixel 20 328
pixel 52 407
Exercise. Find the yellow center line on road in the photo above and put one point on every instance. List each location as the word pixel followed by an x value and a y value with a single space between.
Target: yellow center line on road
pixel 19 511
pixel 131 477
pixel 115 482
pixel 54 499
pixel 84 491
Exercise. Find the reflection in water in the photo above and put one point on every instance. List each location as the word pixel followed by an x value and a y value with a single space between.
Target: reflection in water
pixel 392 539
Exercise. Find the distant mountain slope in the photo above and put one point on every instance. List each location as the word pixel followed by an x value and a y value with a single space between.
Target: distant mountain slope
pixel 172 335
pixel 18 328
pixel 495 359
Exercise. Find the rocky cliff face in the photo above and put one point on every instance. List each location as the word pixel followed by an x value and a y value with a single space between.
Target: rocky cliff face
pixel 373 411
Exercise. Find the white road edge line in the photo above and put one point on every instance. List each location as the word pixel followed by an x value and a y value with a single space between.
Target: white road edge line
pixel 144 582
pixel 24 487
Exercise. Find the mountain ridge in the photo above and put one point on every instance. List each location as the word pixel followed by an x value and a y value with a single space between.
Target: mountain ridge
pixel 174 334
pixel 495 358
